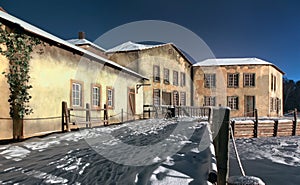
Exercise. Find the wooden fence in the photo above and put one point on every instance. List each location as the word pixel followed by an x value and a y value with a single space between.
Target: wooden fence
pixel 266 128
pixel 151 111
pixel 82 120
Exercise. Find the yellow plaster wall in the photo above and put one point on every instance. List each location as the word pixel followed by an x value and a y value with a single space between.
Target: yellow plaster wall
pixel 164 57
pixel 5 124
pixel 51 74
pixel 261 91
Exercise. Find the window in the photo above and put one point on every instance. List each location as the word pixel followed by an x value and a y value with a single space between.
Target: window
pixel 233 102
pixel 182 79
pixel 273 82
pixel 110 97
pixel 156 97
pixel 182 98
pixel 271 104
pixel 166 98
pixel 166 76
pixel 175 78
pixel 156 74
pixel 278 104
pixel 249 79
pixel 275 104
pixel 96 89
pixel 77 93
pixel 209 101
pixel 175 98
pixel 233 80
pixel 209 80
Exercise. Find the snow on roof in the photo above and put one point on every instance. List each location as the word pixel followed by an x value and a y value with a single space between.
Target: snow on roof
pixel 235 61
pixel 30 28
pixel 132 46
pixel 84 42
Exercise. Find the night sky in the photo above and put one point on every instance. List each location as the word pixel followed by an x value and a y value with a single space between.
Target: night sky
pixel 266 29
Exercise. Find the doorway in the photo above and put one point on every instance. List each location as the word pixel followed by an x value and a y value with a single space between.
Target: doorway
pixel 131 102
pixel 249 106
pixel 166 98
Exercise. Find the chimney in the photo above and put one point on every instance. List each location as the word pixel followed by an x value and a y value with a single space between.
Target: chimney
pixel 81 35
pixel 1 9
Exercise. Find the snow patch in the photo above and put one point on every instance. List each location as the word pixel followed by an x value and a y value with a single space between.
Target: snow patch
pixel 164 176
pixel 15 153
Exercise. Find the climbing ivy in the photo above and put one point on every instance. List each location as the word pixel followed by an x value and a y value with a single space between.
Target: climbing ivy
pixel 17 47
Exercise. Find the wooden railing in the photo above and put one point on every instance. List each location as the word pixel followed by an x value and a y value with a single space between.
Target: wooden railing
pixel 266 127
pixel 164 111
pixel 86 119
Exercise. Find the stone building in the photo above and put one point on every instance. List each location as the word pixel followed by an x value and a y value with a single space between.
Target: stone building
pixel 168 70
pixel 243 84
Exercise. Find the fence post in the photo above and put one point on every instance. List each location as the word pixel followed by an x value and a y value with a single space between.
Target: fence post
pixel 233 127
pixel 209 114
pixel 220 131
pixel 88 115
pixel 295 122
pixel 105 116
pixel 65 117
pixel 255 123
pixel 275 128
pixel 121 115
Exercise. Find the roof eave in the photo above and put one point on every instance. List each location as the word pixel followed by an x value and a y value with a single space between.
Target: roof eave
pixel 73 47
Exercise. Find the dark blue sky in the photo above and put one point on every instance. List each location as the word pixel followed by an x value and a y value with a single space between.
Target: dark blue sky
pixel 267 29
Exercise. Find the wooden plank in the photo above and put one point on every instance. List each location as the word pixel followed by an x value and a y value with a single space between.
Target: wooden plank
pixel 244 136
pixel 220 123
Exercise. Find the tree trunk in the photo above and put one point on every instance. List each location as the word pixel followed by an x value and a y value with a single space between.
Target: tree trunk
pixel 18 129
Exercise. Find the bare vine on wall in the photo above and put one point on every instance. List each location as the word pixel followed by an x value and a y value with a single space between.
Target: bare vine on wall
pixel 17 47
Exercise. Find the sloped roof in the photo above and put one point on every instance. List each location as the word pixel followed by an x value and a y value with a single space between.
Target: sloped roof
pixel 39 32
pixel 235 61
pixel 132 46
pixel 79 42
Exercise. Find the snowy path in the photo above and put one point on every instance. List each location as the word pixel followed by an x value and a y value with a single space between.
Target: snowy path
pixel 142 152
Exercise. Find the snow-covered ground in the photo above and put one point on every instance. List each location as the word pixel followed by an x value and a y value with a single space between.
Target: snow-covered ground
pixel 160 152
pixel 141 152
pixel 274 160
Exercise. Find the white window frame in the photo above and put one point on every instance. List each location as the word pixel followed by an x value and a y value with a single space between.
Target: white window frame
pixel 183 98
pixel 110 97
pixel 209 101
pixel 96 95
pixel 156 99
pixel 175 78
pixel 166 76
pixel 156 73
pixel 210 80
pixel 233 102
pixel 76 93
pixel 233 80
pixel 249 79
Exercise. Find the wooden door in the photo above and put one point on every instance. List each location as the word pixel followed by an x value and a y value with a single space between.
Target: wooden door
pixel 131 102
pixel 249 106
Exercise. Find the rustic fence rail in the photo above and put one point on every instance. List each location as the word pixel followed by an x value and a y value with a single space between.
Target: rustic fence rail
pixel 266 128
pixel 152 111
pixel 81 119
